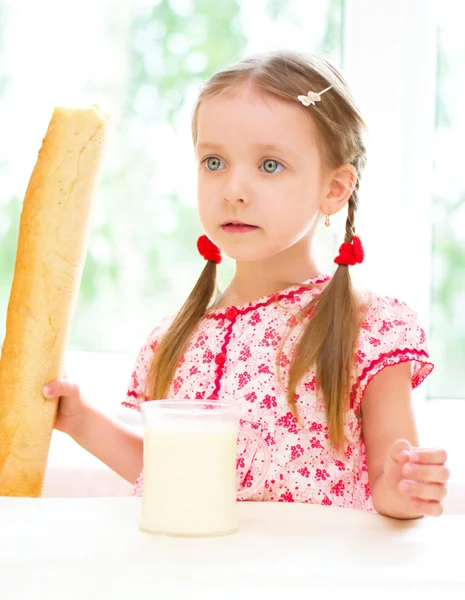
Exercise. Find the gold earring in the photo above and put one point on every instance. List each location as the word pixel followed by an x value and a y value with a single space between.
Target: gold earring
pixel 327 223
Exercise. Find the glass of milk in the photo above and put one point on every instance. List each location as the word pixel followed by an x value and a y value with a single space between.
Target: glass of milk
pixel 190 453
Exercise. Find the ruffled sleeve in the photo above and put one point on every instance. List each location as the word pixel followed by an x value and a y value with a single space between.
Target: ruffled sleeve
pixel 136 388
pixel 390 334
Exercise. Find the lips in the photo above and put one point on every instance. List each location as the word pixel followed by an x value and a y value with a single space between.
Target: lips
pixel 237 227
pixel 237 223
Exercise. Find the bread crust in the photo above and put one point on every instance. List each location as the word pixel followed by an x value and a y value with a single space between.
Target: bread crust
pixel 52 246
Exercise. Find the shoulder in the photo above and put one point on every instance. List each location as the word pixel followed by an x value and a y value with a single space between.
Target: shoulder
pixel 159 331
pixel 136 388
pixel 156 334
pixel 390 333
pixel 389 320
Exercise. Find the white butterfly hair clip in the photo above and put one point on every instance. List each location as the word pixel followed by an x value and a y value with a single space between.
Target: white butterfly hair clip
pixel 312 97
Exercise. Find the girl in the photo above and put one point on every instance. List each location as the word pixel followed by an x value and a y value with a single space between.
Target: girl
pixel 322 372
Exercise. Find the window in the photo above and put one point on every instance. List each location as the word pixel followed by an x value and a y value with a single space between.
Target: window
pixel 143 61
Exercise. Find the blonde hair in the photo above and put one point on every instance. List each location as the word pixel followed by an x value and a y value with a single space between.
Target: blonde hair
pixel 327 342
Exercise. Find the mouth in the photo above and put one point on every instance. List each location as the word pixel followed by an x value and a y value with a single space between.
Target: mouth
pixel 238 227
pixel 237 223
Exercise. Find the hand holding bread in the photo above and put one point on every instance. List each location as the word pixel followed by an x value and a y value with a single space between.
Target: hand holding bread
pixel 71 407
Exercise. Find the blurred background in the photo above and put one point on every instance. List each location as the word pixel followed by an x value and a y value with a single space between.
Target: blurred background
pixel 144 60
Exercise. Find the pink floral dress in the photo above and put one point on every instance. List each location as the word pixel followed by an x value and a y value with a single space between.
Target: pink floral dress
pixel 232 357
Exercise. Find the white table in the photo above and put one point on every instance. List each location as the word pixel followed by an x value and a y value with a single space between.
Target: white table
pixel 54 548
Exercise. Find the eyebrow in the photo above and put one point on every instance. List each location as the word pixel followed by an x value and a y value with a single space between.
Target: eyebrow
pixel 264 147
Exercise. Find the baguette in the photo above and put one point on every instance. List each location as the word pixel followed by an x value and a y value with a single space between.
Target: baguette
pixel 52 246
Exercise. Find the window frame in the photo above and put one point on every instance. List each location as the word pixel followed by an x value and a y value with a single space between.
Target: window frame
pixel 395 87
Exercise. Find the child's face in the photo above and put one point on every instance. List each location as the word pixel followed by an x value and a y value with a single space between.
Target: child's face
pixel 258 165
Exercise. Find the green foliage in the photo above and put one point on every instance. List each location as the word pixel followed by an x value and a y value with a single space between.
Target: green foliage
pixel 444 65
pixel 171 50
pixel 331 42
pixel 448 300
pixel 5 76
pixel 137 269
pixel 448 267
pixel 10 214
pixel 169 54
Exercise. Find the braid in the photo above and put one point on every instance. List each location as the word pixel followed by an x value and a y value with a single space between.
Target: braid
pixel 328 342
pixel 358 163
pixel 350 221
pixel 174 343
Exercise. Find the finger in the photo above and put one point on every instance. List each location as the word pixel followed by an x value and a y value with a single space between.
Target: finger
pixel 423 491
pixel 426 473
pixel 59 387
pixel 429 508
pixel 428 456
pixel 400 451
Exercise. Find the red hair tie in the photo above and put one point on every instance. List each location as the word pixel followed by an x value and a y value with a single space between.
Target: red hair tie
pixel 350 253
pixel 208 249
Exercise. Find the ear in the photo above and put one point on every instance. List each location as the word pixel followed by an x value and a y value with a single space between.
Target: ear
pixel 341 184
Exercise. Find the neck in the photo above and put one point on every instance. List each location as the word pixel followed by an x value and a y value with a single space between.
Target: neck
pixel 252 280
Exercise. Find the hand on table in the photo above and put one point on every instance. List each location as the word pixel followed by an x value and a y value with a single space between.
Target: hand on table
pixel 420 476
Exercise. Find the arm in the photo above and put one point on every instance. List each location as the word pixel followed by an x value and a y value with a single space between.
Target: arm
pixel 118 447
pixel 389 433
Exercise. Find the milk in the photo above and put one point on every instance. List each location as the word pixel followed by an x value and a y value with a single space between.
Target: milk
pixel 190 478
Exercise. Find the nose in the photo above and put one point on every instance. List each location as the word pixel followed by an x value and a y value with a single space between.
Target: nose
pixel 236 189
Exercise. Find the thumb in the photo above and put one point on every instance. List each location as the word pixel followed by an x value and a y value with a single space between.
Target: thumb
pixel 60 387
pixel 400 451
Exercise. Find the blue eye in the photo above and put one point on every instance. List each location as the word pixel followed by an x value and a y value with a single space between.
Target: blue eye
pixel 272 166
pixel 213 163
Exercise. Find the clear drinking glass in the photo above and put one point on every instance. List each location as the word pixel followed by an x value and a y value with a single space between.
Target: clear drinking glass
pixel 190 451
